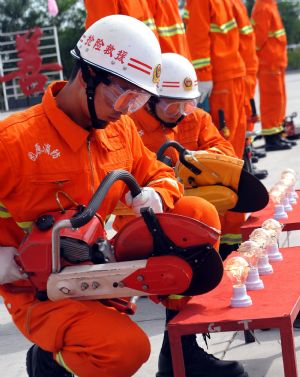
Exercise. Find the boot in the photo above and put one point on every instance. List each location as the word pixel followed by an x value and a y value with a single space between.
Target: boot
pixel 258 154
pixel 198 363
pixel 274 143
pixel 289 142
pixel 40 363
pixel 260 173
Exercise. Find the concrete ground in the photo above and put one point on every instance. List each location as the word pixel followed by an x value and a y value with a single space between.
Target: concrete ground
pixel 261 359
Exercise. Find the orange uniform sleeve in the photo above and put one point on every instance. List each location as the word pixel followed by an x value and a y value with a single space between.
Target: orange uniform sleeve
pixel 97 9
pixel 10 233
pixel 261 25
pixel 170 27
pixel 210 138
pixel 198 36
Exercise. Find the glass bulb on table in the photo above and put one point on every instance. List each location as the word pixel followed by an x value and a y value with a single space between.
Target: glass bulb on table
pixel 294 174
pixel 262 238
pixel 237 268
pixel 251 251
pixel 289 180
pixel 283 186
pixel 275 227
pixel 277 197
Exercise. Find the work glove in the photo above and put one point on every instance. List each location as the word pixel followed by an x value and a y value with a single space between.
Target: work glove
pixel 147 198
pixel 9 270
pixel 205 89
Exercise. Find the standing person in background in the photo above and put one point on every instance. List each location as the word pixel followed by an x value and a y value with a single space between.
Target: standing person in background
pixel 271 45
pixel 213 38
pixel 248 54
pixel 161 16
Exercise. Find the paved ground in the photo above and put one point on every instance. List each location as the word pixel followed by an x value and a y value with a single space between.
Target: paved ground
pixel 261 359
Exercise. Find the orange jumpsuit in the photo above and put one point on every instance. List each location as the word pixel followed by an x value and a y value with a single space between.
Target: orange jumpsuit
pixel 248 53
pixel 161 16
pixel 43 151
pixel 213 38
pixel 271 49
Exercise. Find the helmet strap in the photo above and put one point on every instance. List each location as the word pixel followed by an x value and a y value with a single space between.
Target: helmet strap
pixel 151 105
pixel 91 84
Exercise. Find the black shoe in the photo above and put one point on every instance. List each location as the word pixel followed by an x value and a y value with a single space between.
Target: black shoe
pixel 274 143
pixel 289 142
pixel 260 174
pixel 254 159
pixel 258 154
pixel 226 249
pixel 198 363
pixel 40 363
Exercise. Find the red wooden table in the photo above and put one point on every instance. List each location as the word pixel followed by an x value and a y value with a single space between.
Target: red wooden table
pixel 256 219
pixel 275 306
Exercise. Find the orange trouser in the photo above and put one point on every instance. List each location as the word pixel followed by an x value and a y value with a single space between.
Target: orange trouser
pixel 231 227
pixel 86 337
pixel 272 100
pixel 250 85
pixel 229 95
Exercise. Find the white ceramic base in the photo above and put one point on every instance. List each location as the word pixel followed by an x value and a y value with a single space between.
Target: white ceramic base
pixel 240 298
pixel 279 212
pixel 264 267
pixel 253 282
pixel 274 254
pixel 287 205
pixel 292 198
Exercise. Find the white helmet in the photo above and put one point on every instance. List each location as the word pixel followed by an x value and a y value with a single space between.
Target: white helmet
pixel 124 46
pixel 178 78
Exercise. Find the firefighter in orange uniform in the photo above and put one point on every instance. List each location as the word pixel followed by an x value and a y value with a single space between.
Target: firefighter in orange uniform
pixel 161 16
pixel 247 50
pixel 69 143
pixel 174 116
pixel 248 53
pixel 213 38
pixel 271 45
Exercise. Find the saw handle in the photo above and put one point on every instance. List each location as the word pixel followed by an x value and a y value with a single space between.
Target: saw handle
pixel 253 107
pixel 86 215
pixel 182 153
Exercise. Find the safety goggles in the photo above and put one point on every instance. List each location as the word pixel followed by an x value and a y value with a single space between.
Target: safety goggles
pixel 126 100
pixel 174 108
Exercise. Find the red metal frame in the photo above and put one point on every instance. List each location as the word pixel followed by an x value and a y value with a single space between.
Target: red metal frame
pixel 211 312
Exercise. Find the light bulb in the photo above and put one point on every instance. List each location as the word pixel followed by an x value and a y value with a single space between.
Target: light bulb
pixel 273 224
pixel 237 268
pixel 262 237
pixel 289 171
pixel 274 228
pixel 251 251
pixel 277 197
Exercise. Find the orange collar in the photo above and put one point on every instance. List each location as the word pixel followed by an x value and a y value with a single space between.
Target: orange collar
pixel 74 135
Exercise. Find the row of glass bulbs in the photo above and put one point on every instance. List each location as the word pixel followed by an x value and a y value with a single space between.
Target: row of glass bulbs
pixel 252 259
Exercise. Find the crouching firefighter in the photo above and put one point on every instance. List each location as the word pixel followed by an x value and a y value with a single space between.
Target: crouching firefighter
pixel 172 126
pixel 54 155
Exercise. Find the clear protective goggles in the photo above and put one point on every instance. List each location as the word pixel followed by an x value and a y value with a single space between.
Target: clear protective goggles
pixel 126 100
pixel 172 107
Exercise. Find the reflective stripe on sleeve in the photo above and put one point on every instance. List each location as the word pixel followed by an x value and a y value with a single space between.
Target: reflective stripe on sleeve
pixel 200 63
pixel 225 28
pixel 169 31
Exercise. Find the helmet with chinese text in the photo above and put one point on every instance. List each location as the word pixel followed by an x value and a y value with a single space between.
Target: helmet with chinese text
pixel 125 47
pixel 178 78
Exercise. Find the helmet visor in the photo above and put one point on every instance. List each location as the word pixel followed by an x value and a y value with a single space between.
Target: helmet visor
pixel 177 108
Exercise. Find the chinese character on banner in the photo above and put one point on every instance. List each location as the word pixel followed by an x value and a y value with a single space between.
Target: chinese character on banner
pixel 30 65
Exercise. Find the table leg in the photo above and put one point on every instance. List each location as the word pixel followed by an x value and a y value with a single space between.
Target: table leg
pixel 177 354
pixel 288 349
